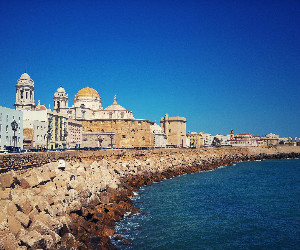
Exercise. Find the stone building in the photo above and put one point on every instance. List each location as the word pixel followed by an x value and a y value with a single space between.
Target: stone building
pixel 99 139
pixel 160 138
pixel 113 126
pixel 245 140
pixel 271 139
pixel 224 139
pixel 74 136
pixel 196 139
pixel 9 137
pixel 25 93
pixel 126 133
pixel 175 129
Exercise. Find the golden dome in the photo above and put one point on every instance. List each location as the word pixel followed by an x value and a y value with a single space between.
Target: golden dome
pixel 87 92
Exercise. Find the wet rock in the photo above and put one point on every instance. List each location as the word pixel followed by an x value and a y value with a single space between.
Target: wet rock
pixel 127 242
pixel 117 238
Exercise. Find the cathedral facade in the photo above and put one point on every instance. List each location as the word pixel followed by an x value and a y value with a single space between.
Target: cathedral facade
pixel 88 106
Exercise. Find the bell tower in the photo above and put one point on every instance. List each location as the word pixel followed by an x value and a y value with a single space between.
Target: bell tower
pixel 231 135
pixel 60 99
pixel 25 93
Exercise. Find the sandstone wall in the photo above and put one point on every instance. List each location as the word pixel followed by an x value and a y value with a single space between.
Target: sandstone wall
pixel 129 133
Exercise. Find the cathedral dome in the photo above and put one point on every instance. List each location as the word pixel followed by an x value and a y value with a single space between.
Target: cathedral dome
pixel 87 92
pixel 25 80
pixel 61 90
pixel 115 106
pixel 40 107
pixel 25 76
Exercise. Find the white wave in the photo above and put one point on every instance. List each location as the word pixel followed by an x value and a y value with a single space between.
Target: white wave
pixel 126 214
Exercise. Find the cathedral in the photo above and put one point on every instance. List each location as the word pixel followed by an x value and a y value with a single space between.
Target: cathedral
pixel 113 126
pixel 92 125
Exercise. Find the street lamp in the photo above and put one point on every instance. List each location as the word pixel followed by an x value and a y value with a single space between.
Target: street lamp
pixel 111 140
pixel 14 126
pixel 49 132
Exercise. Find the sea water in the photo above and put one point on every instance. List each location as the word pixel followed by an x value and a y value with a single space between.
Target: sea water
pixel 251 205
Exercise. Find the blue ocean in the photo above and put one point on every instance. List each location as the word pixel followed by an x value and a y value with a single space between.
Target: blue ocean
pixel 250 205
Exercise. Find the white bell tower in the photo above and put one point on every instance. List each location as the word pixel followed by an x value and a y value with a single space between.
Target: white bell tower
pixel 25 93
pixel 60 99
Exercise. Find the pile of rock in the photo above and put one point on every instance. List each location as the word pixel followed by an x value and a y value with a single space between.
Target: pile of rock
pixel 36 204
pixel 75 204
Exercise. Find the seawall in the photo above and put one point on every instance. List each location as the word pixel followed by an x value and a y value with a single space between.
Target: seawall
pixel 72 199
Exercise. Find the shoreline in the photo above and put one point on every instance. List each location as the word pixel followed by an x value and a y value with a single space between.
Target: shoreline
pixel 78 204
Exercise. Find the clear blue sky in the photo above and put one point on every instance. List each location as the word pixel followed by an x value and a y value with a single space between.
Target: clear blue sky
pixel 221 64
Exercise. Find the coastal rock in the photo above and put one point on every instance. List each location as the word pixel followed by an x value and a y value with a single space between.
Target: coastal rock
pixel 5 194
pixel 8 240
pixel 76 204
pixel 127 242
pixel 7 179
pixel 23 218
pixel 30 238
pixel 14 225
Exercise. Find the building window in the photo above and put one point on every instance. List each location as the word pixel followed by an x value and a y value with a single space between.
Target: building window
pixel 110 115
pixel 123 136
pixel 6 128
pixel 122 115
pixel 0 116
pixel 7 118
pixel 169 130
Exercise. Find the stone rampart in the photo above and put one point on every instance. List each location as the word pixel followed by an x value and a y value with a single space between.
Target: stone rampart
pixel 73 199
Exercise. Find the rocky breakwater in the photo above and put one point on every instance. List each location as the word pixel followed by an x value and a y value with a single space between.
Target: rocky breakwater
pixel 75 204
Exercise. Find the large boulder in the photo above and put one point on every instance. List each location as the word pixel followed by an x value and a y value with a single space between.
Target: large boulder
pixel 7 179
pixel 8 240
pixel 23 218
pixel 14 225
